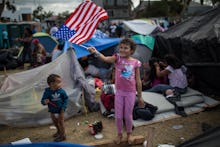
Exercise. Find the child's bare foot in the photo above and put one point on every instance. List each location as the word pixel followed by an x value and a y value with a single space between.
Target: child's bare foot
pixel 130 138
pixel 118 139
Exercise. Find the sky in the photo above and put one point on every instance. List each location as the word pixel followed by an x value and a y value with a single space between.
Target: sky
pixel 57 6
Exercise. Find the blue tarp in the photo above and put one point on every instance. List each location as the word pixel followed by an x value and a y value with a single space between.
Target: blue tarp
pixel 99 43
pixel 45 144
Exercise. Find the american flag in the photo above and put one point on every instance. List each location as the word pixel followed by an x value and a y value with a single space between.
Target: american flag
pixel 80 26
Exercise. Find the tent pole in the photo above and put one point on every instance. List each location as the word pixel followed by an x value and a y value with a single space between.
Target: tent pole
pixel 5 71
pixel 83 102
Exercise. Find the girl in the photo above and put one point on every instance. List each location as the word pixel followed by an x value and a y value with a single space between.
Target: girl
pixel 150 77
pixel 127 81
pixel 56 99
pixel 176 73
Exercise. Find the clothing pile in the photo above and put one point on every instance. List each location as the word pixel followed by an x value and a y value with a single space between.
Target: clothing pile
pixel 7 60
pixel 108 98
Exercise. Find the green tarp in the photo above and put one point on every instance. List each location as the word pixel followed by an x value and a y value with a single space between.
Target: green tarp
pixel 145 40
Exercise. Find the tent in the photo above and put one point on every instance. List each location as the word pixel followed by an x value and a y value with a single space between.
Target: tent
pixel 46 40
pixel 147 40
pixel 139 26
pixel 20 93
pixel 196 41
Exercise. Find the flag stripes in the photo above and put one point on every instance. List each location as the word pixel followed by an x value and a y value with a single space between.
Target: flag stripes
pixel 88 29
pixel 83 22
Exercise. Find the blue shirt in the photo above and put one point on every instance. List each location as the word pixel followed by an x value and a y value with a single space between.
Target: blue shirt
pixel 58 100
pixel 5 35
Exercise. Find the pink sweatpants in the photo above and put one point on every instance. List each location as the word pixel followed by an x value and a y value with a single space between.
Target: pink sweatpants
pixel 124 104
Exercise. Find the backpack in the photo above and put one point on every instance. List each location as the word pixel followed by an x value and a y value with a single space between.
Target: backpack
pixel 108 100
pixel 146 113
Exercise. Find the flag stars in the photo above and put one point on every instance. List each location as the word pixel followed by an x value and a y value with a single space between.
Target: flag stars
pixel 64 32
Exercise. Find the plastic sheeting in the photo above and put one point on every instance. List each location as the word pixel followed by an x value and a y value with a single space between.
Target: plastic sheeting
pixel 20 93
pixel 196 40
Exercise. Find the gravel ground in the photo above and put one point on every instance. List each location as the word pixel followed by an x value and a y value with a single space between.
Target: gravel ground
pixel 78 131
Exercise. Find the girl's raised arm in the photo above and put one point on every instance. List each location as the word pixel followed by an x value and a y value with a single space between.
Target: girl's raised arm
pixel 109 59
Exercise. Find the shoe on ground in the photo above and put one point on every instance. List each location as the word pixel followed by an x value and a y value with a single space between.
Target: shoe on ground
pixel 60 138
pixel 180 111
pixel 56 135
pixel 154 109
pixel 106 113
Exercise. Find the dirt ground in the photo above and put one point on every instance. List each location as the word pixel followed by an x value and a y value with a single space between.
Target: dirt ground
pixel 77 129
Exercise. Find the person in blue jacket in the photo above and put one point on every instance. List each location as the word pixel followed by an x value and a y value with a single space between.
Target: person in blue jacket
pixel 56 99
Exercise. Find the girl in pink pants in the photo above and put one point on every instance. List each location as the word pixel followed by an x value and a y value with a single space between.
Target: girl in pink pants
pixel 127 83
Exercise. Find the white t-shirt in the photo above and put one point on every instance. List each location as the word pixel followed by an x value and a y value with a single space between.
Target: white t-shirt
pixel 177 77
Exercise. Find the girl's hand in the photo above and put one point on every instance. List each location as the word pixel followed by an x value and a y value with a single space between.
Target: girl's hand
pixel 156 64
pixel 146 65
pixel 92 50
pixel 162 64
pixel 46 101
pixel 141 103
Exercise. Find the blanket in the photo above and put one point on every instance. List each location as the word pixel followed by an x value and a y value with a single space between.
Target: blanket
pixel 193 102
